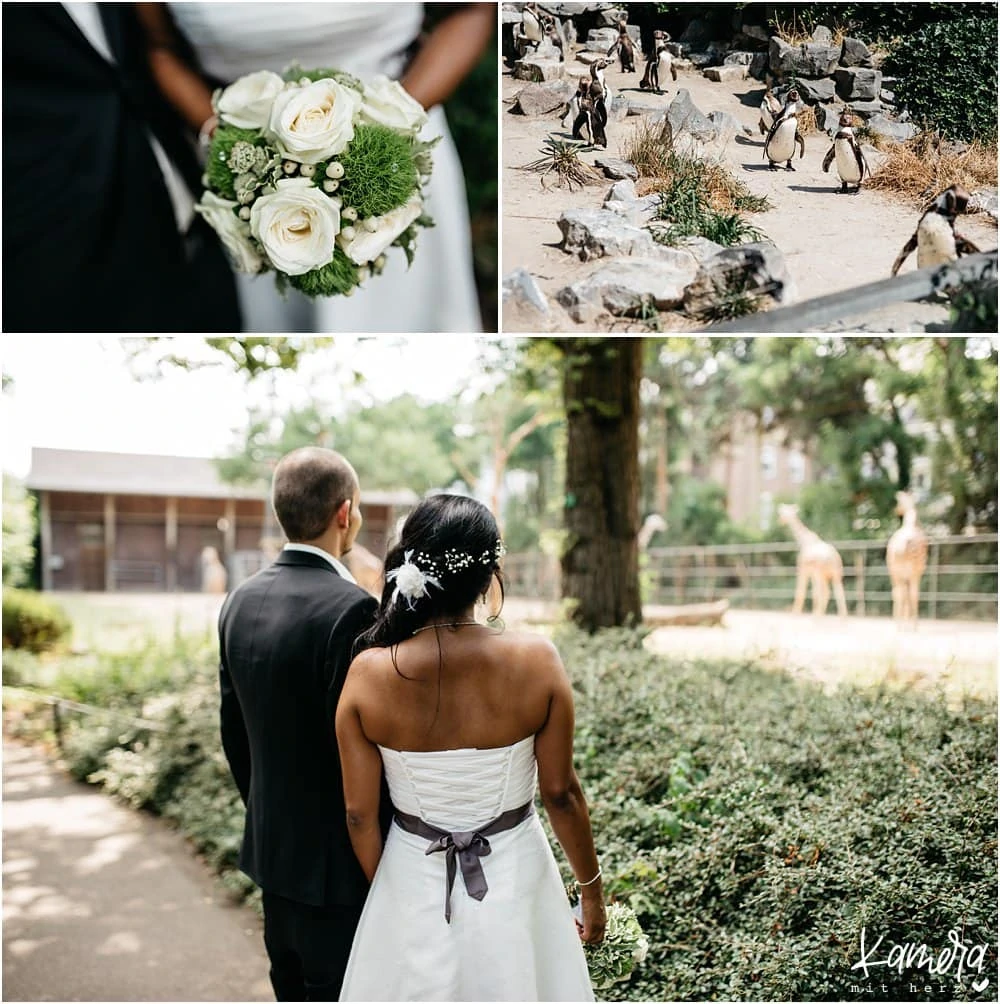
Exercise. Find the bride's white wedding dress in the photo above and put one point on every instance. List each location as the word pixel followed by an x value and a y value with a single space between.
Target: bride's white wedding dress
pixel 438 292
pixel 517 943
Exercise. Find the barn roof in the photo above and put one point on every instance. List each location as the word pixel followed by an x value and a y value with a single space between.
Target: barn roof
pixel 149 474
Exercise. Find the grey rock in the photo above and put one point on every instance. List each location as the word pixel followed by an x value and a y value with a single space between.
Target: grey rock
pixel 637 212
pixel 726 74
pixel 568 9
pixel 699 60
pixel 856 83
pixel 854 52
pixel 867 109
pixel 727 126
pixel 822 35
pixel 757 32
pixel 509 15
pixel 642 104
pixel 701 247
pixel 827 118
pixel 807 60
pixel 615 168
pixel 887 97
pixel 875 157
pixel 758 65
pixel 984 200
pixel 624 287
pixel 539 70
pixel 758 271
pixel 739 58
pixel 521 291
pixel 599 233
pixel 622 191
pixel 696 32
pixel 684 116
pixel 899 131
pixel 604 38
pixel 610 17
pixel 588 56
pixel 543 99
pixel 814 91
pixel 618 109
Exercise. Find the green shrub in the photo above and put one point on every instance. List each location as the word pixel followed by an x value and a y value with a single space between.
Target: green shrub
pixel 948 75
pixel 31 621
pixel 756 823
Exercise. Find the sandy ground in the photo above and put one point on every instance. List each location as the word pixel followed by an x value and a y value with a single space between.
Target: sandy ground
pixel 830 241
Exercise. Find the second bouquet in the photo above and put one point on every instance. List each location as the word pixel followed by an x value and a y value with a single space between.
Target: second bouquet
pixel 315 175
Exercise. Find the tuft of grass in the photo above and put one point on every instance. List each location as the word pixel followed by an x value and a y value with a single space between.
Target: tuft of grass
pixel 925 165
pixel 562 158
pixel 662 169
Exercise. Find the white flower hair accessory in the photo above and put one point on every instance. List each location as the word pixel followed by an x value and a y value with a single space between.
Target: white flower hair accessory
pixel 411 582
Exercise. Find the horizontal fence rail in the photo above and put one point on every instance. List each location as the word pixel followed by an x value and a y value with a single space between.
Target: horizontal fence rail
pixel 919 285
pixel 960 581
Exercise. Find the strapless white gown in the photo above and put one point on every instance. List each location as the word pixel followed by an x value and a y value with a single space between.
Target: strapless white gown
pixel 518 943
pixel 438 292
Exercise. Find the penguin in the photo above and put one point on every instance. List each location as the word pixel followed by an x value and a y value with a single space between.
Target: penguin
pixel 658 62
pixel 551 32
pixel 530 34
pixel 935 238
pixel 784 134
pixel 597 78
pixel 600 109
pixel 588 116
pixel 851 163
pixel 625 47
pixel 573 108
pixel 769 108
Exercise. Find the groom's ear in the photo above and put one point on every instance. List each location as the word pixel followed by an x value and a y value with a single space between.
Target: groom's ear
pixel 343 516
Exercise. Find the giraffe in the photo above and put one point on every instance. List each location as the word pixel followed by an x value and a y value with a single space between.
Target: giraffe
pixel 818 562
pixel 906 556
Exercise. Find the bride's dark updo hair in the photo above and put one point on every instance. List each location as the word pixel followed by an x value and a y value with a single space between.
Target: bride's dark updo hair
pixel 451 539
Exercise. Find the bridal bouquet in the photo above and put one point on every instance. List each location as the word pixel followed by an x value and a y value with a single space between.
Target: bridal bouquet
pixel 314 175
pixel 623 948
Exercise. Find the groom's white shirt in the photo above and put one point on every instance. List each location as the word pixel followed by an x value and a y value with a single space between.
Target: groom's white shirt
pixel 88 20
pixel 338 566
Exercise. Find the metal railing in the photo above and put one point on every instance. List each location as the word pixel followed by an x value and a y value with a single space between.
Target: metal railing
pixel 960 581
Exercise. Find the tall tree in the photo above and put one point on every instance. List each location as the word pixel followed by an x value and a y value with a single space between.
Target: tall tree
pixel 600 560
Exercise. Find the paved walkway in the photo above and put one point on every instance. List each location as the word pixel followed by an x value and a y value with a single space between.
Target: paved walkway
pixel 101 903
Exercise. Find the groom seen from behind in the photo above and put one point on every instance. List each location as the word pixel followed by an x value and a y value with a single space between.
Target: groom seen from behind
pixel 286 637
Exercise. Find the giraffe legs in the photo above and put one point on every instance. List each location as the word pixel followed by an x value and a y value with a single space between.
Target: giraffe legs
pixel 838 592
pixel 801 583
pixel 821 594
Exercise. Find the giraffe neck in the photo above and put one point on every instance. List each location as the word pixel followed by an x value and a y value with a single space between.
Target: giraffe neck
pixel 801 533
pixel 910 519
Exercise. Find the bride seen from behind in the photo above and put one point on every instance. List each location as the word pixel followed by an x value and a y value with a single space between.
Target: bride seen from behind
pixel 194 48
pixel 466 901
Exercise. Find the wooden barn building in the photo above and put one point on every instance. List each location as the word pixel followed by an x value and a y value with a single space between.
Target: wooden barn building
pixel 119 521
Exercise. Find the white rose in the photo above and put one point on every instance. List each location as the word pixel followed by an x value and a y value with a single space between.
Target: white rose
pixel 297 226
pixel 367 245
pixel 247 102
pixel 233 232
pixel 386 102
pixel 314 122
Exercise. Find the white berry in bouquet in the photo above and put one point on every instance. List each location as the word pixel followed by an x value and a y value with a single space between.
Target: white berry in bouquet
pixel 315 176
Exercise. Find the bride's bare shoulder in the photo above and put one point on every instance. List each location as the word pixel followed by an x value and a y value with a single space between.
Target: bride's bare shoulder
pixel 532 649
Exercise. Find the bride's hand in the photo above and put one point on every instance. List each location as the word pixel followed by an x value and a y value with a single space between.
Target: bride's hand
pixel 594 919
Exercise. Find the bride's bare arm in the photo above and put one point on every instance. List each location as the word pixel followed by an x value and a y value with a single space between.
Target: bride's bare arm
pixel 181 85
pixel 564 799
pixel 361 768
pixel 450 51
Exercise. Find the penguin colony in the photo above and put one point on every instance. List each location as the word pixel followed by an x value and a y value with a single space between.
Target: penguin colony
pixel 934 240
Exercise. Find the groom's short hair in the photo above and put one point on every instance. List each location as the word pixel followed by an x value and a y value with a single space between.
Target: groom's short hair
pixel 310 484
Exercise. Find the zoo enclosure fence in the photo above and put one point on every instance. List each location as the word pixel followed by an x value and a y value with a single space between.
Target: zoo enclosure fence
pixel 960 581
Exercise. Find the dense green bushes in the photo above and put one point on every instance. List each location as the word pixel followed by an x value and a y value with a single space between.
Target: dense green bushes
pixel 948 75
pixel 757 824
pixel 32 622
pixel 754 822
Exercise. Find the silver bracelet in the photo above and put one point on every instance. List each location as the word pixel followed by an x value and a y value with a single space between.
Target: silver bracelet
pixel 592 881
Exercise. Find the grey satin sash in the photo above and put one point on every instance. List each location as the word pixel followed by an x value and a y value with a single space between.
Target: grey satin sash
pixel 468 847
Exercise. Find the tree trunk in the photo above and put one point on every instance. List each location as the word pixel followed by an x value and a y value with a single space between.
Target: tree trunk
pixel 600 563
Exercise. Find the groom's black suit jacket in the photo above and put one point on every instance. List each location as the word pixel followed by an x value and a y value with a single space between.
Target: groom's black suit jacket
pixel 90 240
pixel 286 636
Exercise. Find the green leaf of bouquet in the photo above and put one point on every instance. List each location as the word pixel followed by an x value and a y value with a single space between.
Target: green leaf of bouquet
pixel 221 178
pixel 334 278
pixel 295 72
pixel 379 171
